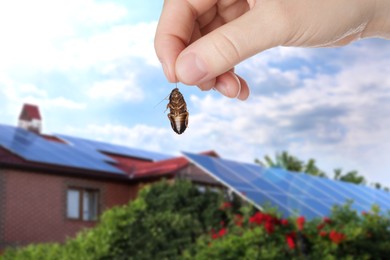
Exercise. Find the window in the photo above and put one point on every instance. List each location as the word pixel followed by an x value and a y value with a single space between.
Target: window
pixel 82 204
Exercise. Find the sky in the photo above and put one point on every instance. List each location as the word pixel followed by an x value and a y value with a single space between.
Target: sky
pixel 91 68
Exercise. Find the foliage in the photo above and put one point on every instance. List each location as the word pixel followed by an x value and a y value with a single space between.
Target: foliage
pixel 351 176
pixel 344 235
pixel 291 163
pixel 161 223
pixel 177 221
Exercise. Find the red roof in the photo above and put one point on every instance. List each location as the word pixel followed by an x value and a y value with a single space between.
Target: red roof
pixel 165 167
pixel 30 112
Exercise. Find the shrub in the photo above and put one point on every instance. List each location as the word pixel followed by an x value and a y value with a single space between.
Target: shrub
pixel 161 223
pixel 179 222
pixel 346 234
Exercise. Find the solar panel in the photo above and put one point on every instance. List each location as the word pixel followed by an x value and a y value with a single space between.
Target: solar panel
pixel 83 144
pixel 291 193
pixel 34 148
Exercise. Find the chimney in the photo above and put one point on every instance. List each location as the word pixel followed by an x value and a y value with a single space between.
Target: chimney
pixel 30 118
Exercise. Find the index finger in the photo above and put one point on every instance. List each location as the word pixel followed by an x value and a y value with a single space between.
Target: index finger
pixel 175 29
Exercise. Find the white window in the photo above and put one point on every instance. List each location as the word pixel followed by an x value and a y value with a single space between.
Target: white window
pixel 82 204
pixel 73 204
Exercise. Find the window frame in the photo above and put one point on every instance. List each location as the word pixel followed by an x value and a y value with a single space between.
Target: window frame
pixel 82 191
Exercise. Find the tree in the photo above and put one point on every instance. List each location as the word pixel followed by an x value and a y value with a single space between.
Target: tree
pixel 291 163
pixel 351 176
pixel 283 160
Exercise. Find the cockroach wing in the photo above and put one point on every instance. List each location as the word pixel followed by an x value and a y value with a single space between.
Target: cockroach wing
pixel 179 123
pixel 178 114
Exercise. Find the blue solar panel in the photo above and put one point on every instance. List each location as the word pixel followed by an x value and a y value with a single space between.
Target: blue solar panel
pixel 34 148
pixel 291 193
pixel 89 145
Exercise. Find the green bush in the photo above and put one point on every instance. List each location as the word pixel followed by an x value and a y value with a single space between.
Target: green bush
pixel 346 234
pixel 176 221
pixel 161 223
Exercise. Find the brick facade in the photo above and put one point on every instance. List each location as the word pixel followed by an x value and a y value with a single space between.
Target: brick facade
pixel 33 196
pixel 33 205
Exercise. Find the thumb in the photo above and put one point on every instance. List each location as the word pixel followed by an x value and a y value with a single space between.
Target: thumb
pixel 215 53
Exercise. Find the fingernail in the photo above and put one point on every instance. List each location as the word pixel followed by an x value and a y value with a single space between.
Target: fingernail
pixel 229 90
pixel 166 71
pixel 222 88
pixel 191 69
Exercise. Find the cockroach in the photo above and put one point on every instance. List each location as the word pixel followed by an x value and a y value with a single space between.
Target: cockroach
pixel 178 114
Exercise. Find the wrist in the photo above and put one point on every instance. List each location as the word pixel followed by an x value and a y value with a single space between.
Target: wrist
pixel 379 25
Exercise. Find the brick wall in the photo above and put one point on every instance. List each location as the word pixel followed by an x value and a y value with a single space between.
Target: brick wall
pixel 33 206
pixel 2 207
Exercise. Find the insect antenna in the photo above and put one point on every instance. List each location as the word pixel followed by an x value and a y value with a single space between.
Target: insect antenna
pixel 166 98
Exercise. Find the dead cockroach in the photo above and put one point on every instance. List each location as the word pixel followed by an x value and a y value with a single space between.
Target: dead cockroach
pixel 178 114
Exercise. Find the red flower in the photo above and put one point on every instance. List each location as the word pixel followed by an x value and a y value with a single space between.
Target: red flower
pixel 364 213
pixel 284 222
pixel 257 218
pixel 326 220
pixel 269 227
pixel 213 234
pixel 320 226
pixel 300 222
pixel 336 237
pixel 222 232
pixel 290 239
pixel 323 233
pixel 225 205
pixel 267 220
pixel 238 220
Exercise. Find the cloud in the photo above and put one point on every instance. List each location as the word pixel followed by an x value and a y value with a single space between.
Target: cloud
pixel 33 32
pixel 117 89
pixel 60 54
pixel 14 94
pixel 121 43
pixel 68 35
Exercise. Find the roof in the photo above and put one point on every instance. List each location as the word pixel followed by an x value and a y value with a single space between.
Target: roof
pixel 160 168
pixel 59 153
pixel 30 112
pixel 292 194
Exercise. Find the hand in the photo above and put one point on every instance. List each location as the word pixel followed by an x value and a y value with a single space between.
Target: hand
pixel 200 41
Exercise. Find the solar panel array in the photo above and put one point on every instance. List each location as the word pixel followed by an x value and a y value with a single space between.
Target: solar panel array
pixel 90 145
pixel 79 153
pixel 291 193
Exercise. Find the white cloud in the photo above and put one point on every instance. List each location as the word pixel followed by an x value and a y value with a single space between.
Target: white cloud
pixel 32 32
pixel 63 35
pixel 117 89
pixel 119 43
pixel 15 94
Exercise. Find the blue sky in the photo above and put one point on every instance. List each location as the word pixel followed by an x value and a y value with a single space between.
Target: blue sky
pixel 91 68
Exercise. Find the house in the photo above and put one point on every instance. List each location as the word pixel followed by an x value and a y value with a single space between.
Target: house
pixel 52 186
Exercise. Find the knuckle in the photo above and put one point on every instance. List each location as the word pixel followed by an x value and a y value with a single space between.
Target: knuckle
pixel 227 48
